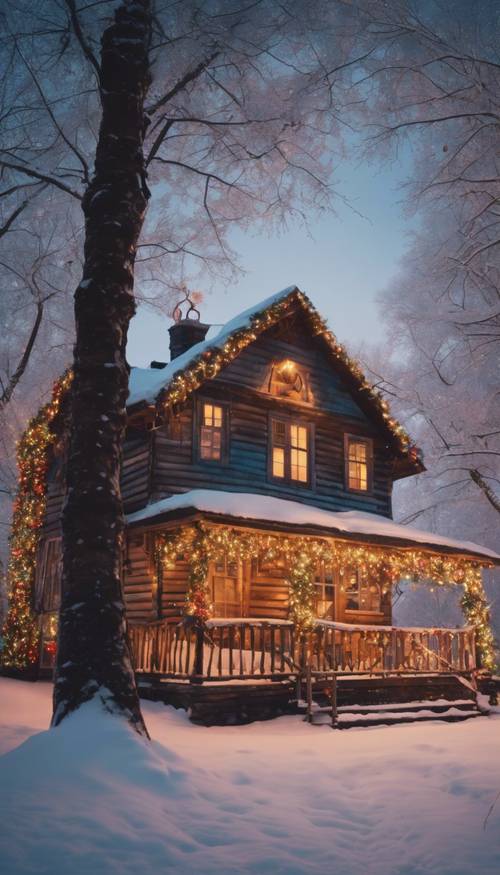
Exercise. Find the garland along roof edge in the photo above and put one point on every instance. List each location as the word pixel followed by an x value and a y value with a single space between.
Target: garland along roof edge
pixel 174 383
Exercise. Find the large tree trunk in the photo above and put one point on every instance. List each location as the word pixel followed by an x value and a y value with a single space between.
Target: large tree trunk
pixel 94 653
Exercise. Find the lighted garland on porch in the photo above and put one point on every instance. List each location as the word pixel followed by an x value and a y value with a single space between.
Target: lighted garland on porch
pixel 202 544
pixel 477 611
pixel 21 634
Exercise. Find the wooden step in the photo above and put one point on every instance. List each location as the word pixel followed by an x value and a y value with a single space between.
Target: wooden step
pixel 410 707
pixel 392 718
pixel 349 717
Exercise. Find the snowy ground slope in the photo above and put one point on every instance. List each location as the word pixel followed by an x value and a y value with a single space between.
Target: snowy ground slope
pixel 277 797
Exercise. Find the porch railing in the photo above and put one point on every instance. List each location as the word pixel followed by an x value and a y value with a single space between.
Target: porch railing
pixel 226 649
pixel 220 650
pixel 380 649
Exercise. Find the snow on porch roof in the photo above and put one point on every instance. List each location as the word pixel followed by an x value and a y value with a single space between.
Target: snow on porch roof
pixel 371 527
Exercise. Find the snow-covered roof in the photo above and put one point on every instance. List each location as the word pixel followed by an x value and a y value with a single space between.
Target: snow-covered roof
pixel 369 526
pixel 145 384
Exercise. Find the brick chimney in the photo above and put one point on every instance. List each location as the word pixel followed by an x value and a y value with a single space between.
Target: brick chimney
pixel 184 334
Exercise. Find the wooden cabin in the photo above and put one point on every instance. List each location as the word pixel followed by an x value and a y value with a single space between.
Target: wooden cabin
pixel 260 549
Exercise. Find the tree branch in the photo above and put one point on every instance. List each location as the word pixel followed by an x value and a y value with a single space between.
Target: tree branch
pixel 188 77
pixel 35 174
pixel 485 488
pixel 23 361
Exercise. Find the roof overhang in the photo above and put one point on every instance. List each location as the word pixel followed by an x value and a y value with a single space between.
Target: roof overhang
pixel 164 517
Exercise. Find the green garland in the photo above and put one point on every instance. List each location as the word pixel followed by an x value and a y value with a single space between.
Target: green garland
pixel 21 630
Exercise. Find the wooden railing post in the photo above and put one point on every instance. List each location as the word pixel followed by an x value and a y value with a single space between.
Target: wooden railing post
pixel 199 631
pixel 334 701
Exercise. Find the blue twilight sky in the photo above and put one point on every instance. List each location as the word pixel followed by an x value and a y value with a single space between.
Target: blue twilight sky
pixel 342 265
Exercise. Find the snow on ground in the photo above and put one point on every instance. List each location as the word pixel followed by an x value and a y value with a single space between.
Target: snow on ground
pixel 279 797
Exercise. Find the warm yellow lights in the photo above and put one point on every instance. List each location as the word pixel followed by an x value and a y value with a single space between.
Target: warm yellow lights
pixel 202 544
pixel 213 359
pixel 21 632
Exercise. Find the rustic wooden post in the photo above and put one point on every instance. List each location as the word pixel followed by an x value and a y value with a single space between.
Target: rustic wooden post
pixel 199 631
pixel 309 692
pixel 334 701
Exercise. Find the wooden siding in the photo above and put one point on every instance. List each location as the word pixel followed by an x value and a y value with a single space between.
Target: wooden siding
pixel 176 469
pixel 136 470
pixel 174 587
pixel 253 366
pixel 135 481
pixel 138 579
pixel 333 413
pixel 269 594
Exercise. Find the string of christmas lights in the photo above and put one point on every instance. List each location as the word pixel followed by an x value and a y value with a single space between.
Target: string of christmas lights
pixel 21 630
pixel 202 544
pixel 212 360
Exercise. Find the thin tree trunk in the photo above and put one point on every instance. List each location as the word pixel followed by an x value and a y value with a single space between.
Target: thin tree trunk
pixel 485 488
pixel 94 651
pixel 24 360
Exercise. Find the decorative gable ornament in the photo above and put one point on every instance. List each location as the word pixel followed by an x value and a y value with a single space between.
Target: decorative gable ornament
pixel 288 380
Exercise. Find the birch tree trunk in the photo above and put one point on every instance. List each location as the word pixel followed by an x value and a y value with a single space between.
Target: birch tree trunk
pixel 94 652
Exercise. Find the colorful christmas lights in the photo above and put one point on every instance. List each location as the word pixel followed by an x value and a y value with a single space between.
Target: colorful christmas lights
pixel 213 359
pixel 21 631
pixel 202 544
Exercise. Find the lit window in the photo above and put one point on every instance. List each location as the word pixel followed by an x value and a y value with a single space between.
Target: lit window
pixel 290 451
pixel 279 447
pixel 362 594
pixel 324 592
pixel 358 463
pixel 211 432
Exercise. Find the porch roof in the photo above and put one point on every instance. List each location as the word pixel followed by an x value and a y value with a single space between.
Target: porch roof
pixel 292 516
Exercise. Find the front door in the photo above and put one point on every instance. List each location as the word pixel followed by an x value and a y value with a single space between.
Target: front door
pixel 227 587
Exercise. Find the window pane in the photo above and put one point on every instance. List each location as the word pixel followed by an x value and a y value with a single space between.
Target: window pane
pixel 298 465
pixel 357 465
pixel 211 432
pixel 210 443
pixel 302 438
pixel 279 432
pixel 298 436
pixel 352 592
pixel 278 462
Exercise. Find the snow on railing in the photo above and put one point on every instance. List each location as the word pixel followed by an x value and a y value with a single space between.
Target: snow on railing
pixel 245 648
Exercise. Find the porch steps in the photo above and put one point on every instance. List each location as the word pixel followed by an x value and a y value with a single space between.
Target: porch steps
pixel 447 698
pixel 404 712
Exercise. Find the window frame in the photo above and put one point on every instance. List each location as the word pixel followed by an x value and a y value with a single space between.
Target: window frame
pixel 287 479
pixel 323 570
pixel 361 584
pixel 360 439
pixel 198 425
pixel 49 559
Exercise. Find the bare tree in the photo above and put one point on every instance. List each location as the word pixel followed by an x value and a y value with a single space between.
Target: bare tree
pixel 233 129
pixel 432 82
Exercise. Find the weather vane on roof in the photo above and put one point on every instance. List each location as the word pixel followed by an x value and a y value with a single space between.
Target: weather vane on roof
pixel 190 298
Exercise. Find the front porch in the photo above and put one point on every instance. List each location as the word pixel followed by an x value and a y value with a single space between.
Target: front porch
pixel 240 670
pixel 249 649
pixel 257 615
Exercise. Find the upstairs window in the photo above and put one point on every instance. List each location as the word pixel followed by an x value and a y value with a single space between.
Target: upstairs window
pixel 212 418
pixel 290 451
pixel 358 463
